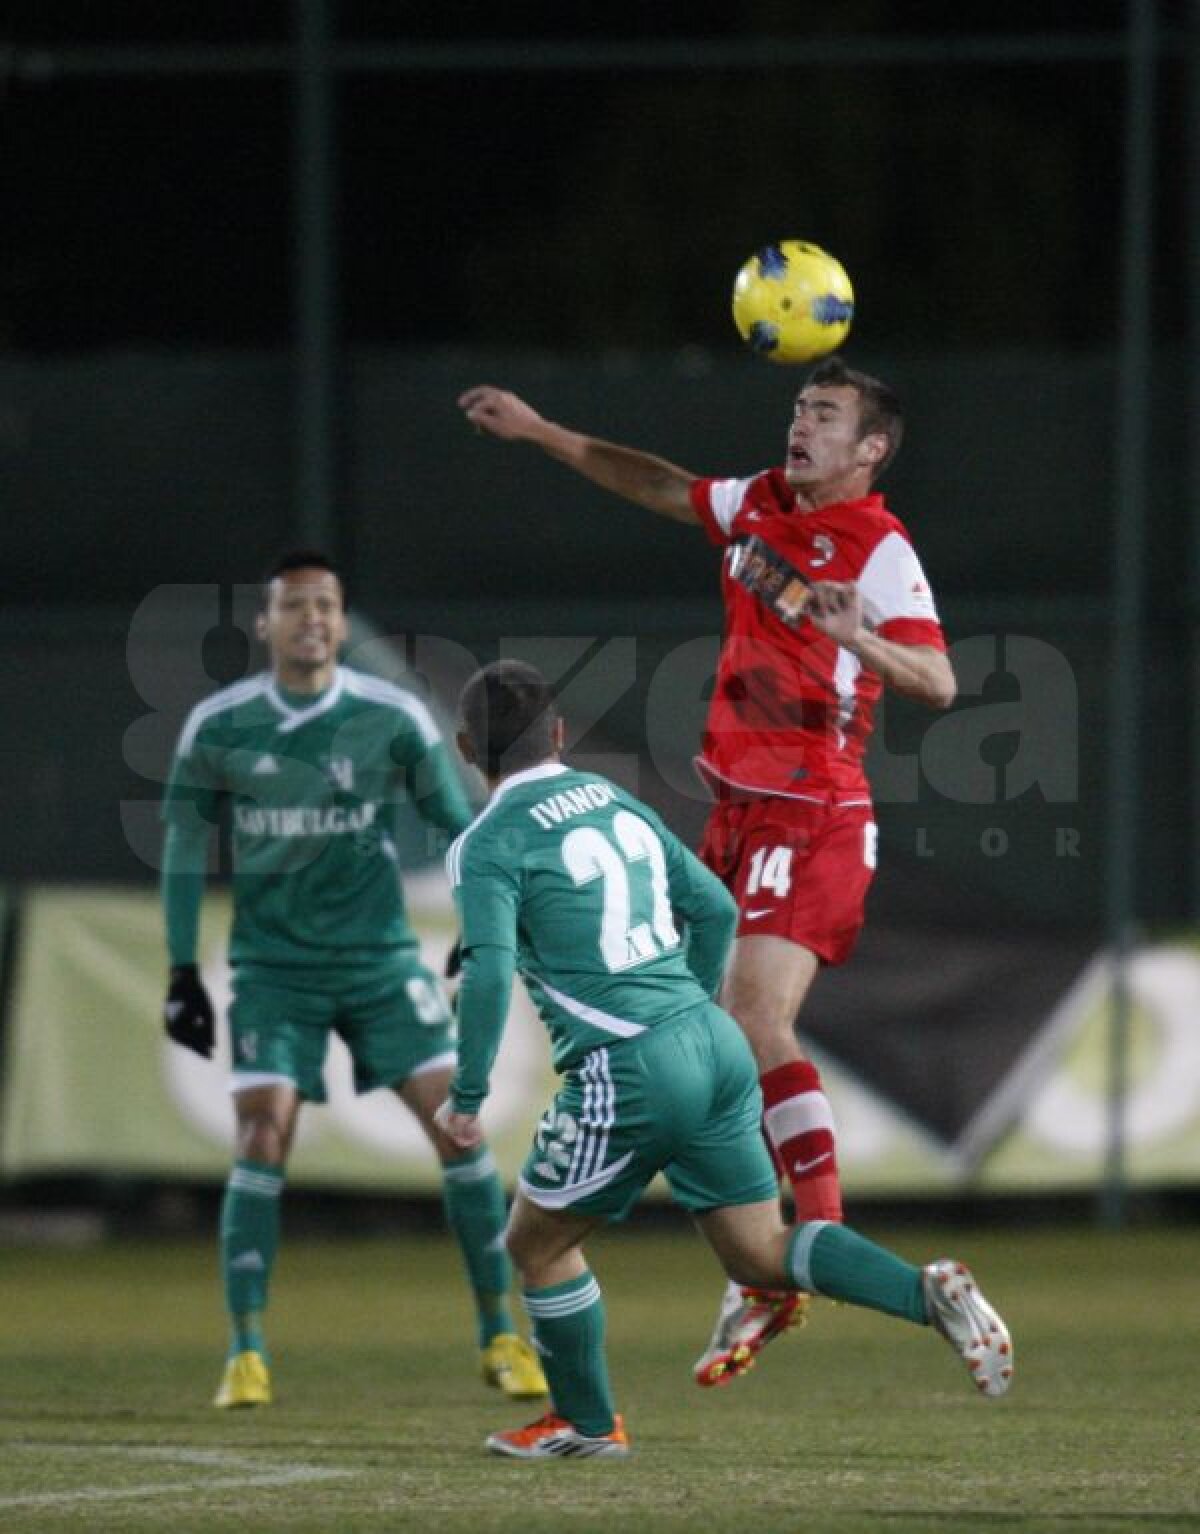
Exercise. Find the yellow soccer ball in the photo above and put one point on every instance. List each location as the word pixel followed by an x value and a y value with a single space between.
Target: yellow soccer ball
pixel 793 302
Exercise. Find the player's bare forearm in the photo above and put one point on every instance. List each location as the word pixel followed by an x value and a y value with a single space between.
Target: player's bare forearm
pixel 649 481
pixel 916 671
pixel 920 672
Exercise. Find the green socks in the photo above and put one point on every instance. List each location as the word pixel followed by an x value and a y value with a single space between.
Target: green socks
pixel 249 1241
pixel 824 1258
pixel 476 1213
pixel 568 1328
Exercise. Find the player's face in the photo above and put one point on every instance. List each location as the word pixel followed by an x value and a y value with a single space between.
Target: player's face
pixel 825 448
pixel 304 625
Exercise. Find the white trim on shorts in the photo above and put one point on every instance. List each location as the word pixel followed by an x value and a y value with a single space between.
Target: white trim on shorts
pixel 246 1081
pixel 562 1198
pixel 448 1057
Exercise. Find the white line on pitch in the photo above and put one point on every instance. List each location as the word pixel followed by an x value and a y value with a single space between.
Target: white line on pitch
pixel 285 1475
pixel 162 1489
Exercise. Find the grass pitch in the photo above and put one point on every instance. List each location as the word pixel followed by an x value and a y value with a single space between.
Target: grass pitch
pixel 110 1357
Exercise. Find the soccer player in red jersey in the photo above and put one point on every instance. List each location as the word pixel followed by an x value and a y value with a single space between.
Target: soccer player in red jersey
pixel 825 605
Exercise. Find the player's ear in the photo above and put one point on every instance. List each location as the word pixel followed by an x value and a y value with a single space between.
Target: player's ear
pixel 873 449
pixel 559 735
pixel 260 627
pixel 466 748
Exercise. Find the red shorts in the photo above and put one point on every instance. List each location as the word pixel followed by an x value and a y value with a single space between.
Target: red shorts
pixel 797 870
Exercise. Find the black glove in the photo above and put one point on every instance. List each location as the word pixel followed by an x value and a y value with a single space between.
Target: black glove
pixel 454 960
pixel 188 1012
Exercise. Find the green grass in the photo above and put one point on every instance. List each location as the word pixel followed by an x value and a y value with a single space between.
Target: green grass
pixel 110 1355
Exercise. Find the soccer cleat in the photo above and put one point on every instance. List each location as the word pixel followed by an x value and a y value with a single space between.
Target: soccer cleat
pixel 969 1324
pixel 511 1365
pixel 552 1437
pixel 245 1381
pixel 748 1320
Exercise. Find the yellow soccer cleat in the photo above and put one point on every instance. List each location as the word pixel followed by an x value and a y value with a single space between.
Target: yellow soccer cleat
pixel 511 1365
pixel 245 1382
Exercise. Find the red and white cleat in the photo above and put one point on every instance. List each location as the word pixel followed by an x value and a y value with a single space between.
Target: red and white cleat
pixel 748 1320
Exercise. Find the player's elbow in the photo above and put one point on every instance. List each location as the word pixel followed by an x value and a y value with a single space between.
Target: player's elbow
pixel 723 916
pixel 667 490
pixel 940 687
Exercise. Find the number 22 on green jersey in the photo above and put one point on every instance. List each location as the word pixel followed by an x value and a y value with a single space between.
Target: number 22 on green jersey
pixel 636 922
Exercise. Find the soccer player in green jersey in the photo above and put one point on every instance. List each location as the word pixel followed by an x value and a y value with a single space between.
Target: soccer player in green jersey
pixel 314 758
pixel 621 936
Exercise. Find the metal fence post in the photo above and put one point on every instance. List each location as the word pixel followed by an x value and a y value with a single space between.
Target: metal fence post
pixel 1129 540
pixel 315 279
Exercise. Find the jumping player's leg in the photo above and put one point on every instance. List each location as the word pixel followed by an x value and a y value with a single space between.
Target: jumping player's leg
pixel 765 987
pixel 476 1212
pixel 266 1115
pixel 800 873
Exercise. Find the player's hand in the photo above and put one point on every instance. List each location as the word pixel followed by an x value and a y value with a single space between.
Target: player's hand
pixel 462 1129
pixel 835 607
pixel 499 413
pixel 188 1013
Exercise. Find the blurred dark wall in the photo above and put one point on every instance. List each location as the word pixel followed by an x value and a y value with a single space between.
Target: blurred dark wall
pixel 146 493
pixel 119 473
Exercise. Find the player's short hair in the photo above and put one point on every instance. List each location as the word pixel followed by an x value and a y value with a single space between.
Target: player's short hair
pixel 507 710
pixel 879 410
pixel 299 559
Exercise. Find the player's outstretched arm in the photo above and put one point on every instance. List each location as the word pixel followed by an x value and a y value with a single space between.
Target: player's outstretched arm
pixel 646 480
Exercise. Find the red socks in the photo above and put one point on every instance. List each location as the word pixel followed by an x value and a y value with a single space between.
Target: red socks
pixel 798 1124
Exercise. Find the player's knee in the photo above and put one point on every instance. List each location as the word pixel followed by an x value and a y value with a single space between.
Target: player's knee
pixel 262 1139
pixel 522 1249
pixel 532 1256
pixel 769 1032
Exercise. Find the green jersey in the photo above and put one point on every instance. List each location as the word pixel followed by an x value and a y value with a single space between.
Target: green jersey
pixel 582 888
pixel 313 784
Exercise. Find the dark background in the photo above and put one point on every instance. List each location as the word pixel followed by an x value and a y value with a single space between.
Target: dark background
pixel 507 211
pixel 569 209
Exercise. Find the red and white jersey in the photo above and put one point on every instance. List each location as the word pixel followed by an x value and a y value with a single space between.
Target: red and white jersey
pixel 791 710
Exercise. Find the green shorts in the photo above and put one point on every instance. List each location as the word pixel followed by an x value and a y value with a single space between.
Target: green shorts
pixel 682 1099
pixel 394 1020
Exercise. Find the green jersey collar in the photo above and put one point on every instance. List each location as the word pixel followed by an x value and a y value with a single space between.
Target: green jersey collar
pixel 293 718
